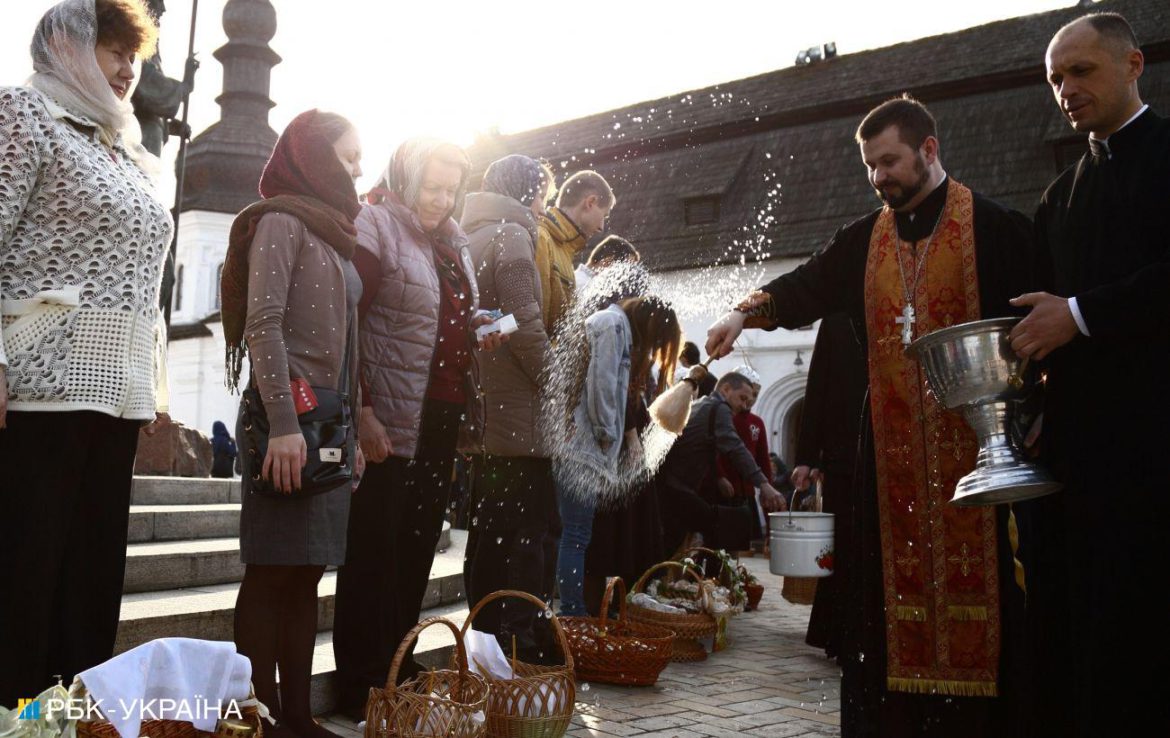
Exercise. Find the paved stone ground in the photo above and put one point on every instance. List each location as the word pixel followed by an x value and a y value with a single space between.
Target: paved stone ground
pixel 768 683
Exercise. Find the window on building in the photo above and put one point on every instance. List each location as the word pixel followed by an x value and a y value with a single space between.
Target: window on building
pixel 177 303
pixel 702 210
pixel 218 279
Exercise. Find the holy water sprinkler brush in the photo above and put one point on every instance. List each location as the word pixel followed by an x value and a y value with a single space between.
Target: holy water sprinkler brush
pixel 673 407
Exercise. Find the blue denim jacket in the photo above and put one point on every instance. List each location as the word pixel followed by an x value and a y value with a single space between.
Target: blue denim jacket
pixel 600 414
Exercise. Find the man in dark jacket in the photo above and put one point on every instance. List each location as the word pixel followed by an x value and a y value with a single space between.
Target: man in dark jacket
pixel 710 431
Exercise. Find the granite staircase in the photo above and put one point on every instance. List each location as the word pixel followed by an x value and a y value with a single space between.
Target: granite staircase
pixel 183 572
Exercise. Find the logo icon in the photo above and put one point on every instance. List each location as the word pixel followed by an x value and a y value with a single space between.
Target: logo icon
pixel 28 709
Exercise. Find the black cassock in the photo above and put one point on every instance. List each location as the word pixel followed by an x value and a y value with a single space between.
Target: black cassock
pixel 830 428
pixel 834 281
pixel 1096 553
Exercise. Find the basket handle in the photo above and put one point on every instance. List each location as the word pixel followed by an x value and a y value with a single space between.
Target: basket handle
pixel 641 583
pixel 541 605
pixel 712 552
pixel 413 634
pixel 611 584
pixel 700 549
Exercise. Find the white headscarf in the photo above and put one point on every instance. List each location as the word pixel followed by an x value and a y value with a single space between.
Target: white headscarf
pixel 67 71
pixel 404 175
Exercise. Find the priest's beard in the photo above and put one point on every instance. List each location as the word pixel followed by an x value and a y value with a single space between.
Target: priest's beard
pixel 896 194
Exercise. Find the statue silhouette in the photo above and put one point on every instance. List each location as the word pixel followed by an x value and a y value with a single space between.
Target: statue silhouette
pixel 157 97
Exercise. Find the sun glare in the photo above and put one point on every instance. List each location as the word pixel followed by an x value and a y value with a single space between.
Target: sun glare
pixel 456 71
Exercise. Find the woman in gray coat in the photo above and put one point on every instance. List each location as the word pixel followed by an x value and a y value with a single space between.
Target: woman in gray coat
pixel 513 501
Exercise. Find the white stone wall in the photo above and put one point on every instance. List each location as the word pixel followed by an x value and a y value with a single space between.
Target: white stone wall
pixel 196 365
pixel 771 353
pixel 203 238
pixel 198 395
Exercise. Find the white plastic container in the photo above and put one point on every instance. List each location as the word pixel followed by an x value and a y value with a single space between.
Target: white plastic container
pixel 802 544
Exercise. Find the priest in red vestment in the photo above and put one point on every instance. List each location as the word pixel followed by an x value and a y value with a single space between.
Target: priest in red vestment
pixel 932 646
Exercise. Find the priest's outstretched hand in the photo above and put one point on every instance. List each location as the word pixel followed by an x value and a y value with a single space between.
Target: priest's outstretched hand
pixel 1046 328
pixel 723 332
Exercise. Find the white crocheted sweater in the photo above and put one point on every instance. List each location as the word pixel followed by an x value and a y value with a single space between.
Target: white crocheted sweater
pixel 83 238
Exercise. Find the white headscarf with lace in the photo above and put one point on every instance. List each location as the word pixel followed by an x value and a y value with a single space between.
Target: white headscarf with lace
pixel 66 70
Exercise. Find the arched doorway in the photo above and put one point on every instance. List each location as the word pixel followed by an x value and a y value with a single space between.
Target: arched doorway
pixel 792 420
pixel 781 405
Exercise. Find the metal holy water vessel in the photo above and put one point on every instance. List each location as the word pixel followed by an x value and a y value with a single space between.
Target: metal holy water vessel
pixel 971 368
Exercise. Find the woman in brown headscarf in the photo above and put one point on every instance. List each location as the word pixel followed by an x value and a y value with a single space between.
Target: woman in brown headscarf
pixel 290 296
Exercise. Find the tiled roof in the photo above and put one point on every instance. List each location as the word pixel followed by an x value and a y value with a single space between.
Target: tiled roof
pixel 785 138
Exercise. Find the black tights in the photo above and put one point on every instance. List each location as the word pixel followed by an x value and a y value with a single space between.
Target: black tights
pixel 276 625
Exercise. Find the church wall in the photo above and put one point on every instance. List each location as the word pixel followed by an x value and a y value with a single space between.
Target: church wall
pixel 203 238
pixel 196 370
pixel 771 353
pixel 195 365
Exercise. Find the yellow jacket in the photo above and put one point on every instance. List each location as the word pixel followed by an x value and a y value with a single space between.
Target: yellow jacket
pixel 558 241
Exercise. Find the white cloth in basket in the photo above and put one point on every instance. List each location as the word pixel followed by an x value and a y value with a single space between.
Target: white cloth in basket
pixel 486 658
pixel 170 679
pixel 484 655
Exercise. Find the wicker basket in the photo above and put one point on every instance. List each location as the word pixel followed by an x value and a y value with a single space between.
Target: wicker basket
pixel 687 650
pixel 440 702
pixel 250 710
pixel 538 701
pixel 754 593
pixel 726 576
pixel 799 590
pixel 687 627
pixel 617 653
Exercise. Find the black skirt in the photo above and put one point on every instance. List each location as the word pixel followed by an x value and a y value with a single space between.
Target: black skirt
pixel 626 540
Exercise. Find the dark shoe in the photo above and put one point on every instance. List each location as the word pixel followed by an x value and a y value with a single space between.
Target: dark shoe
pixel 355 711
pixel 313 729
pixel 280 730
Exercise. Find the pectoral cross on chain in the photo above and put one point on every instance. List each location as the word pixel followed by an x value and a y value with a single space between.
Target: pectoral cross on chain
pixel 907 323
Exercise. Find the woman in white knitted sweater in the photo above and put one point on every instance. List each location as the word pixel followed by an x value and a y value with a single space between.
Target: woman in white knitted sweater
pixel 83 237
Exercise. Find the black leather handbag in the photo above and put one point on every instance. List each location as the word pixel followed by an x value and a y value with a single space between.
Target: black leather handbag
pixel 328 432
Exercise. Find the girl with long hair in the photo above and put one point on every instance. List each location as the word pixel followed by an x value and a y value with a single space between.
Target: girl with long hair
pixel 625 342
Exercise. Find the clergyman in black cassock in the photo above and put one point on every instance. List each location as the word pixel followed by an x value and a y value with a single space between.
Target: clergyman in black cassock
pixel 830 427
pixel 1096 552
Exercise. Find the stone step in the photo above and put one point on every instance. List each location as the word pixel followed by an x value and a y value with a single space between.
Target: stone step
pixel 150 523
pixel 184 491
pixel 434 650
pixel 158 523
pixel 206 612
pixel 155 567
pixel 164 565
